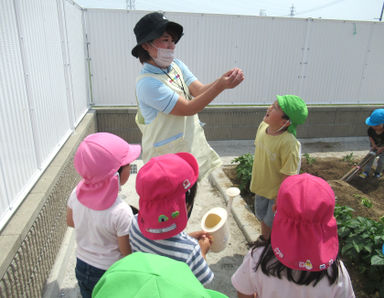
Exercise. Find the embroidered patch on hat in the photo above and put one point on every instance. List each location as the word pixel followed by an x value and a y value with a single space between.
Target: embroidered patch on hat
pixel 186 184
pixel 307 265
pixel 278 252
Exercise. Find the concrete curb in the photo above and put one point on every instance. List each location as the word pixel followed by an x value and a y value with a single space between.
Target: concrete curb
pixel 57 275
pixel 244 217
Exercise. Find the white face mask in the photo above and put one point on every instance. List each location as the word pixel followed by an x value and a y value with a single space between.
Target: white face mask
pixel 164 57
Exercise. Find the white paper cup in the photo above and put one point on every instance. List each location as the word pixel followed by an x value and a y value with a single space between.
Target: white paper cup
pixel 215 223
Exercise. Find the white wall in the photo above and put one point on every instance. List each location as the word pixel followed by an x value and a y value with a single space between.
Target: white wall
pixel 43 90
pixel 323 61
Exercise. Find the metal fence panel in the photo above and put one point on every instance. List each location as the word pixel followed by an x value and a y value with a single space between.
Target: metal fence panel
pixel 113 68
pixel 36 99
pixel 17 159
pixel 324 61
pixel 44 66
pixel 78 71
pixel 372 86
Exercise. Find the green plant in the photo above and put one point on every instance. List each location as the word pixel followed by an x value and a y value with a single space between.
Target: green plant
pixel 361 241
pixel 363 200
pixel 366 202
pixel 310 160
pixel 349 158
pixel 244 171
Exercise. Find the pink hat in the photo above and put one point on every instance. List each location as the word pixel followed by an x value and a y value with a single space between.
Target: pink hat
pixel 304 231
pixel 161 184
pixel 97 160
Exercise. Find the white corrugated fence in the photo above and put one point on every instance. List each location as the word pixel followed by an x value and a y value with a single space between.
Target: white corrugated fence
pixel 50 49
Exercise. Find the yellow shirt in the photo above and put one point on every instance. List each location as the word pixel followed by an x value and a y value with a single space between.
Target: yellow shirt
pixel 275 156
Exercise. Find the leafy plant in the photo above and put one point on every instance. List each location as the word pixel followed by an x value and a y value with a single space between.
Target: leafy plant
pixel 366 202
pixel 310 160
pixel 363 200
pixel 349 158
pixel 361 242
pixel 244 170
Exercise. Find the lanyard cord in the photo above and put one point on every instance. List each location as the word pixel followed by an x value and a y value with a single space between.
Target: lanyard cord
pixel 181 86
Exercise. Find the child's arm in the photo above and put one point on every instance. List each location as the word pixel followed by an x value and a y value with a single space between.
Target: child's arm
pixel 373 144
pixel 70 222
pixel 124 246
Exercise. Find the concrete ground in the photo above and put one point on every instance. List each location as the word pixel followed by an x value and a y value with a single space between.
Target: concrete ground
pixel 211 193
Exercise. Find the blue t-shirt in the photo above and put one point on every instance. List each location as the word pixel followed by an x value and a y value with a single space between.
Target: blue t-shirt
pixel 154 96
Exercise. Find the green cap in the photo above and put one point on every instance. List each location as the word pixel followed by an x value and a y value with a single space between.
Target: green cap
pixel 147 275
pixel 295 108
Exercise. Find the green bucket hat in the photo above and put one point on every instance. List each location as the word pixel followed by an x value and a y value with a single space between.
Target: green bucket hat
pixel 143 275
pixel 295 108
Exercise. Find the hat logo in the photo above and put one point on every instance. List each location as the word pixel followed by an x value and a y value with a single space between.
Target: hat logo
pixel 307 265
pixel 186 184
pixel 322 266
pixel 278 252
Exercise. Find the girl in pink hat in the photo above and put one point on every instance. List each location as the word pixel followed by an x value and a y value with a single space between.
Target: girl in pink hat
pixel 100 217
pixel 300 259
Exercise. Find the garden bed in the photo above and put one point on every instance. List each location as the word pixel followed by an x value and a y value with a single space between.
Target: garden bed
pixel 364 196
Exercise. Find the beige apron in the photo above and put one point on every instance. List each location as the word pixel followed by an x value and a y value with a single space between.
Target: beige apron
pixel 171 134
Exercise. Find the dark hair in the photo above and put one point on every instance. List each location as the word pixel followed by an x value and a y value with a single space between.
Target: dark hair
pixel 143 55
pixel 271 266
pixel 190 198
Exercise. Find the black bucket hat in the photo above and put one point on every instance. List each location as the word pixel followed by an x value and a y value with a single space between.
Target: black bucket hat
pixel 152 26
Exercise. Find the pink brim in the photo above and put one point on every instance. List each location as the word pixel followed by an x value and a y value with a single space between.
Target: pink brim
pixel 134 152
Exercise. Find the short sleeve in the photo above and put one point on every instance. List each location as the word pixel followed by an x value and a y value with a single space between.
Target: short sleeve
pixel 188 76
pixel 198 264
pixel 244 278
pixel 71 199
pixel 123 219
pixel 290 157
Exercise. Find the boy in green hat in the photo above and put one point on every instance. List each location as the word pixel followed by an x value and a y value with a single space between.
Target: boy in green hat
pixel 277 154
pixel 143 275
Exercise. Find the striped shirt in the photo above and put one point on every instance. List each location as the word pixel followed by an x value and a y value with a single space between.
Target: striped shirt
pixel 181 247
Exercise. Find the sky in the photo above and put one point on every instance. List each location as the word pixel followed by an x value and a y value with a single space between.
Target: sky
pixel 365 10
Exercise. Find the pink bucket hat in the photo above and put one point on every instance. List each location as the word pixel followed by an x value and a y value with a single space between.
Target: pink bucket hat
pixel 304 232
pixel 97 160
pixel 161 184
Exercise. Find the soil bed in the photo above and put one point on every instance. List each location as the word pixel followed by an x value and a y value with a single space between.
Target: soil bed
pixel 351 194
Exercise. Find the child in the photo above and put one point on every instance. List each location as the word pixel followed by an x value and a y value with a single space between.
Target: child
pixel 100 218
pixel 376 139
pixel 162 184
pixel 143 275
pixel 301 258
pixel 277 154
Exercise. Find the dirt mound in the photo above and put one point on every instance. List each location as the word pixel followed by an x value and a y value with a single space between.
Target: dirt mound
pixel 355 194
